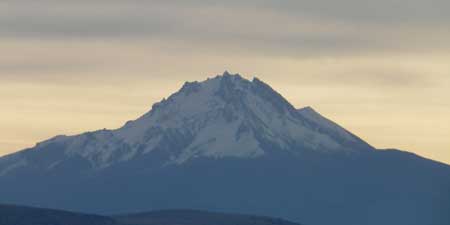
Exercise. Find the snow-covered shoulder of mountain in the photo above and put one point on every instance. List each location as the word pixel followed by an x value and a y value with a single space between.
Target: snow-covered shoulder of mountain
pixel 224 116
pixel 327 126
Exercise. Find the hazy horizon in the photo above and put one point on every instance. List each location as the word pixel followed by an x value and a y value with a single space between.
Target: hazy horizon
pixel 379 69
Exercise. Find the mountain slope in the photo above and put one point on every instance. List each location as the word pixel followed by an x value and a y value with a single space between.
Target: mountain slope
pixel 232 145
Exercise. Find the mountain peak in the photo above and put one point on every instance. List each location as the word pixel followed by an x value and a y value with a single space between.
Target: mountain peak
pixel 226 79
pixel 228 74
pixel 230 116
pixel 233 89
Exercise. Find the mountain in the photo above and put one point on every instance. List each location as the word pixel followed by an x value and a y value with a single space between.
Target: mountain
pixel 227 116
pixel 233 145
pixel 20 215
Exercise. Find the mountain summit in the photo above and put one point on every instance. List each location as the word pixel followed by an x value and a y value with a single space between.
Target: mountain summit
pixel 232 145
pixel 229 116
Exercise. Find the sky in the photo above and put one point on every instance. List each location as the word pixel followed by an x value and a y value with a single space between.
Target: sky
pixel 379 68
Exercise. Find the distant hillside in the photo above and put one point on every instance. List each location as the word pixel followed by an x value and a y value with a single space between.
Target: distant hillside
pixel 194 217
pixel 20 215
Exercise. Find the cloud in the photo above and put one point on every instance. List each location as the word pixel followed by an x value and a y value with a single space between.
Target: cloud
pixel 378 77
pixel 282 27
pixel 43 66
pixel 265 31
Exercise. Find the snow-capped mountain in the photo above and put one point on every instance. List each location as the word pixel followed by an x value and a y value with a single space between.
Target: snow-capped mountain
pixel 226 116
pixel 230 144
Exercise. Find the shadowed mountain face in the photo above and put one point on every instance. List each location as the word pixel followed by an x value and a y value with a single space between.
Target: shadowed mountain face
pixel 233 145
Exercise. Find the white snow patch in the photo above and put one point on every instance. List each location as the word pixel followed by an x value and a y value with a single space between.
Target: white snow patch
pixel 219 140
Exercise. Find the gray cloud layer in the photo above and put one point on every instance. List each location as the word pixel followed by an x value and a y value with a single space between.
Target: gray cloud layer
pixel 280 26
